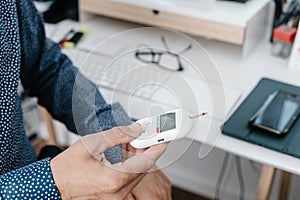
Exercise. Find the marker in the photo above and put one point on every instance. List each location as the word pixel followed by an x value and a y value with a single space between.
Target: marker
pixel 68 36
pixel 71 43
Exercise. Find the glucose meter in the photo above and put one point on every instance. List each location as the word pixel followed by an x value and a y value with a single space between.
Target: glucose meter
pixel 165 127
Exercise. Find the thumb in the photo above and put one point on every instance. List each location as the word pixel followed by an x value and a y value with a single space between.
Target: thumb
pixel 97 143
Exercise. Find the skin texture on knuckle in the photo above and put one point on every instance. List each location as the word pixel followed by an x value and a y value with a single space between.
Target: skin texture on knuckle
pixel 115 184
pixel 118 132
pixel 151 194
pixel 150 162
pixel 167 182
pixel 95 144
pixel 119 196
pixel 129 132
pixel 164 193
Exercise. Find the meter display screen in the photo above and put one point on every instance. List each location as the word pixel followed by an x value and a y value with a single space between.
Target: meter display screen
pixel 167 122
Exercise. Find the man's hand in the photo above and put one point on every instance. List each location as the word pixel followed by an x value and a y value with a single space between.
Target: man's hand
pixel 80 172
pixel 155 185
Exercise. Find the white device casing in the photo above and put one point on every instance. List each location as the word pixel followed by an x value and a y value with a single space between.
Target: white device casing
pixel 151 136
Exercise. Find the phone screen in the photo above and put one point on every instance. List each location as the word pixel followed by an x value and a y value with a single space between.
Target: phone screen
pixel 278 112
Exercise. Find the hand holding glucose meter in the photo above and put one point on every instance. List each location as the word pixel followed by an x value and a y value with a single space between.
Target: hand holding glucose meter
pixel 166 127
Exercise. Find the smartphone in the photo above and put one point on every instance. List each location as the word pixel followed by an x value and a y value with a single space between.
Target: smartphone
pixel 278 113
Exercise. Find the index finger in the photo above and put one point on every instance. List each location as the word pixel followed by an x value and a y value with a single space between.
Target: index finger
pixel 141 162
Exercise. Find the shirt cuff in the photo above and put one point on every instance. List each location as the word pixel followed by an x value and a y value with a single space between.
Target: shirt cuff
pixel 33 181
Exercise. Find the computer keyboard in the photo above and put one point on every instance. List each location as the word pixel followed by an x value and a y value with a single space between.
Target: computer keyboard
pixel 125 74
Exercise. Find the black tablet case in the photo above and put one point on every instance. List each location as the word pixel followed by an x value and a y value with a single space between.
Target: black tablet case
pixel 238 124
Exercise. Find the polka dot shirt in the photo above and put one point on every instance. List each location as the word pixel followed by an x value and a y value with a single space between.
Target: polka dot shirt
pixel 26 54
pixel 30 182
pixel 19 179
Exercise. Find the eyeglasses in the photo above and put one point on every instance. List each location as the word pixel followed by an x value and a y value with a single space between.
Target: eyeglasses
pixel 165 59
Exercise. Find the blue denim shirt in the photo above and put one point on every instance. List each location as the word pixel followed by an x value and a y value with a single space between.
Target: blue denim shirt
pixel 50 76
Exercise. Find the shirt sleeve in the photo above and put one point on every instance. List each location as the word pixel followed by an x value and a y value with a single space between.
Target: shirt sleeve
pixel 33 181
pixel 50 76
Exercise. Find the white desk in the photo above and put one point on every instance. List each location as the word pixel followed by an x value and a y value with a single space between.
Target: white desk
pixel 241 74
pixel 237 72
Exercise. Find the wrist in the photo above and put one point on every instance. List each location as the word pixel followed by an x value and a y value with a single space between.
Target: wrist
pixel 57 178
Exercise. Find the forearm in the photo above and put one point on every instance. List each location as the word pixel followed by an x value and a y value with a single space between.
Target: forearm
pixel 49 75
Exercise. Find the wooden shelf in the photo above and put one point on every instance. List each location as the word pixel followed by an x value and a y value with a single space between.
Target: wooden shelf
pixel 225 21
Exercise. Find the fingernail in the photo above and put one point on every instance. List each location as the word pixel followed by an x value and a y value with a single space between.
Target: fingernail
pixel 135 127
